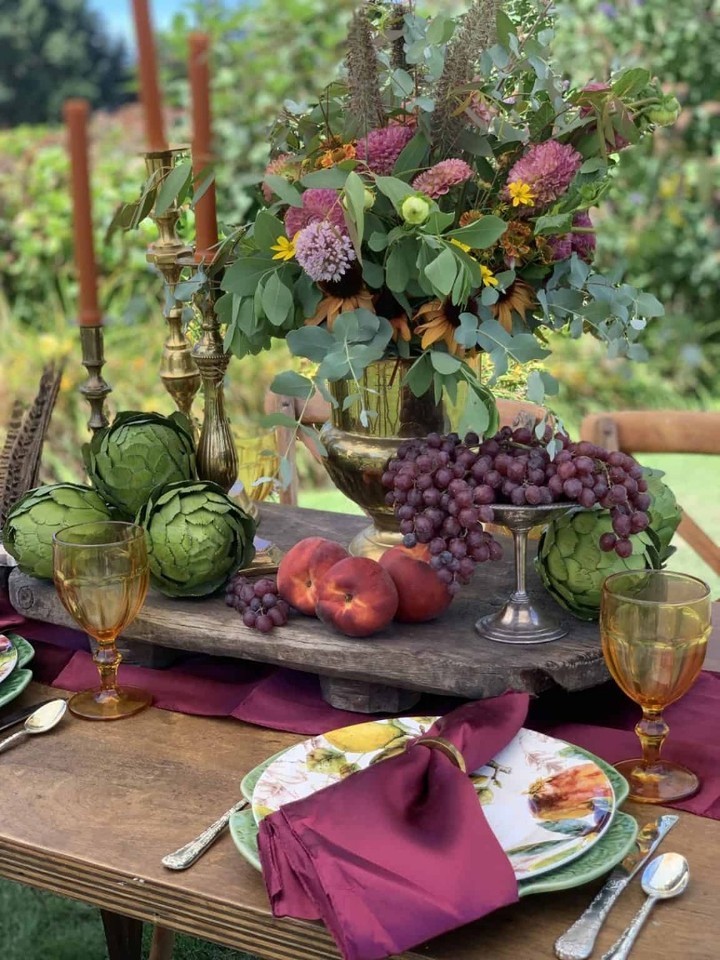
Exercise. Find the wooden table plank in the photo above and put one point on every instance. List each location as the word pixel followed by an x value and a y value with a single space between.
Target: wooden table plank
pixel 94 807
pixel 445 656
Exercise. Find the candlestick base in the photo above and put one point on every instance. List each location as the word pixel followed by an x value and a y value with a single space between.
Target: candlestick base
pixel 216 454
pixel 178 370
pixel 96 388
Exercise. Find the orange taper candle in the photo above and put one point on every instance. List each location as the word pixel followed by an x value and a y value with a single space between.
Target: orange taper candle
pixel 206 231
pixel 76 117
pixel 149 89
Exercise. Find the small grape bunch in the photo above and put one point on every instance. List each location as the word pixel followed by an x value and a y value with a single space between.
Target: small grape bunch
pixel 258 602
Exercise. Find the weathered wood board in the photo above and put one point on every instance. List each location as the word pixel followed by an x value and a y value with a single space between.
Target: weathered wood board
pixel 445 656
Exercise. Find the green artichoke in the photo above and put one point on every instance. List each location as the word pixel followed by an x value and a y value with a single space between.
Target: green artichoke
pixel 33 520
pixel 137 453
pixel 573 567
pixel 664 512
pixel 197 538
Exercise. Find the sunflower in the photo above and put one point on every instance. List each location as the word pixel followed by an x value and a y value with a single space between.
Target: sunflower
pixel 330 307
pixel 440 319
pixel 518 298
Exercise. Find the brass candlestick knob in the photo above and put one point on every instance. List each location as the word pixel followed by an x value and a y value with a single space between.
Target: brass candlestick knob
pixel 178 370
pixel 95 388
pixel 216 454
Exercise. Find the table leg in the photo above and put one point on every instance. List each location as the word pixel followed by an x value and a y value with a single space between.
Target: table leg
pixel 162 943
pixel 123 936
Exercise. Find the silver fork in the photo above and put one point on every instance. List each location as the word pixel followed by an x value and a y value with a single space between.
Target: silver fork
pixel 185 857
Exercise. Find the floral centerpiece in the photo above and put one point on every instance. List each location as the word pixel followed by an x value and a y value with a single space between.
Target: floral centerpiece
pixel 435 204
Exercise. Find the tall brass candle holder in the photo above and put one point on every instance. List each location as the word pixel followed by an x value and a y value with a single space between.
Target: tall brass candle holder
pixel 178 370
pixel 95 388
pixel 217 458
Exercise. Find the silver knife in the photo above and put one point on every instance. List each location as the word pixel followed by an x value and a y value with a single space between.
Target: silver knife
pixel 577 942
pixel 13 718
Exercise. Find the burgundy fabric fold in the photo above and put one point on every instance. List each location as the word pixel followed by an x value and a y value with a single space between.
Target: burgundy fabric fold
pixel 400 852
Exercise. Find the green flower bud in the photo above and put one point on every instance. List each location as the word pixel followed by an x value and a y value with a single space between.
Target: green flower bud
pixel 369 198
pixel 415 210
pixel 665 112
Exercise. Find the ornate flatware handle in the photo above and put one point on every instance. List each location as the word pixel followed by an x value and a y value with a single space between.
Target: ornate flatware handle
pixel 578 941
pixel 187 855
pixel 621 949
pixel 11 740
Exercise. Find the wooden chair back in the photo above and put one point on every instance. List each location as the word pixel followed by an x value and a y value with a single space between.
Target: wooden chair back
pixel 663 431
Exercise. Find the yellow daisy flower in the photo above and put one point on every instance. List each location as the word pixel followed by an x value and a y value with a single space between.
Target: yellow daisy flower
pixel 521 193
pixel 488 277
pixel 285 249
pixel 463 246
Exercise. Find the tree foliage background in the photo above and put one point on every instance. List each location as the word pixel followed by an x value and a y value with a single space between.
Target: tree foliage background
pixel 53 49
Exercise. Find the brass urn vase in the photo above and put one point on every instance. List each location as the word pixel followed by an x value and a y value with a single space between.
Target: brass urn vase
pixel 357 453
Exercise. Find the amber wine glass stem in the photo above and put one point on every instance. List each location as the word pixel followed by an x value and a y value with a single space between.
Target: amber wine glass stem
pixel 652 731
pixel 107 659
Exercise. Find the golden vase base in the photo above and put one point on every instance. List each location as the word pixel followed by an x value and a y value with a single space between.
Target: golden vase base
pixel 372 542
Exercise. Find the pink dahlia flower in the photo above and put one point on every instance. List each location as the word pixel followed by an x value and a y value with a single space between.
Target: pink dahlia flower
pixel 381 148
pixel 548 169
pixel 438 180
pixel 284 165
pixel 561 246
pixel 583 244
pixel 317 204
pixel 324 251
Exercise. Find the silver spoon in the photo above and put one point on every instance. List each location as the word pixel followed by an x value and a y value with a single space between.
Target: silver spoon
pixel 664 877
pixel 44 719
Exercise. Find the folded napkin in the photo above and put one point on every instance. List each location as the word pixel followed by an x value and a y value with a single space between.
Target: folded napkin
pixel 401 851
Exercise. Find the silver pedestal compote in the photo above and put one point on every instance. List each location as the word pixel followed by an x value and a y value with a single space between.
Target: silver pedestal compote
pixel 519 621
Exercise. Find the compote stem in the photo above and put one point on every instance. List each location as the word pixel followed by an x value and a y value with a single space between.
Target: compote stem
pixel 652 731
pixel 107 659
pixel 520 545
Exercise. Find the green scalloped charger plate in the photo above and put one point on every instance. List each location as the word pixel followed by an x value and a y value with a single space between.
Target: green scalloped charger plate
pixel 609 850
pixel 14 685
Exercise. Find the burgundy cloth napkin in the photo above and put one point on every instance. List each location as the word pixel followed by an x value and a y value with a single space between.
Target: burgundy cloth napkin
pixel 400 852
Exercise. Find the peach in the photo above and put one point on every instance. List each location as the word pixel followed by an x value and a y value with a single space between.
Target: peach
pixel 357 597
pixel 421 593
pixel 303 567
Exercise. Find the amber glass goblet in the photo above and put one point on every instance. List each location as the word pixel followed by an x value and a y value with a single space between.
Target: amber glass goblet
pixel 101 576
pixel 654 627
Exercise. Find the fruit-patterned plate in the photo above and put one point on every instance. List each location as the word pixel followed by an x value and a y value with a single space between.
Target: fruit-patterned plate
pixel 13 685
pixel 546 801
pixel 8 656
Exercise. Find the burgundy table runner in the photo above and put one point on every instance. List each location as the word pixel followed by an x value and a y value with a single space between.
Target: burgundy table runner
pixel 601 720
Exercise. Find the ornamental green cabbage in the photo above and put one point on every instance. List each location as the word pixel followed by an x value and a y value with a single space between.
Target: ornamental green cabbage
pixel 32 521
pixel 137 453
pixel 197 538
pixel 572 566
pixel 664 513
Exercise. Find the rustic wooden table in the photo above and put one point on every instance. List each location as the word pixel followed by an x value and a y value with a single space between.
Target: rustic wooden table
pixel 92 808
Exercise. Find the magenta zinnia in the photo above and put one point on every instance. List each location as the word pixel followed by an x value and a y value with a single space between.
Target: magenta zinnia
pixel 381 148
pixel 323 251
pixel 438 180
pixel 317 204
pixel 548 169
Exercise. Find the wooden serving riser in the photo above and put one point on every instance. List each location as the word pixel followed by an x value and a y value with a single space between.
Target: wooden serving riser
pixel 385 672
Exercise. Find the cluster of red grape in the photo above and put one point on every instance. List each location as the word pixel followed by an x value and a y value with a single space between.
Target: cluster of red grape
pixel 442 489
pixel 258 601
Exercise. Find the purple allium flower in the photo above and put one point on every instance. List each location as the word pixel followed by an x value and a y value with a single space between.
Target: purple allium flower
pixel 381 148
pixel 583 244
pixel 317 204
pixel 438 180
pixel 324 251
pixel 548 168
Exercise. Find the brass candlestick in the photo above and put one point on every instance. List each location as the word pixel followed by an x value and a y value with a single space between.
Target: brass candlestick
pixel 96 388
pixel 216 454
pixel 178 370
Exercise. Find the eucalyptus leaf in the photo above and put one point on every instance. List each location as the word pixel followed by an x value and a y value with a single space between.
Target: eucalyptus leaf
pixel 442 271
pixel 480 233
pixel 292 384
pixel 173 186
pixel 282 187
pixel 313 343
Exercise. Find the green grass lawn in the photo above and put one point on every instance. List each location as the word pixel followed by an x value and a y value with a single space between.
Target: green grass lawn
pixel 39 926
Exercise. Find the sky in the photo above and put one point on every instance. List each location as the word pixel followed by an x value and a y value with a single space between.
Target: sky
pixel 118 15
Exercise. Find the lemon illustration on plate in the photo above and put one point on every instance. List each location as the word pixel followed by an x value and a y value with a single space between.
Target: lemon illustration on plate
pixel 365 737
